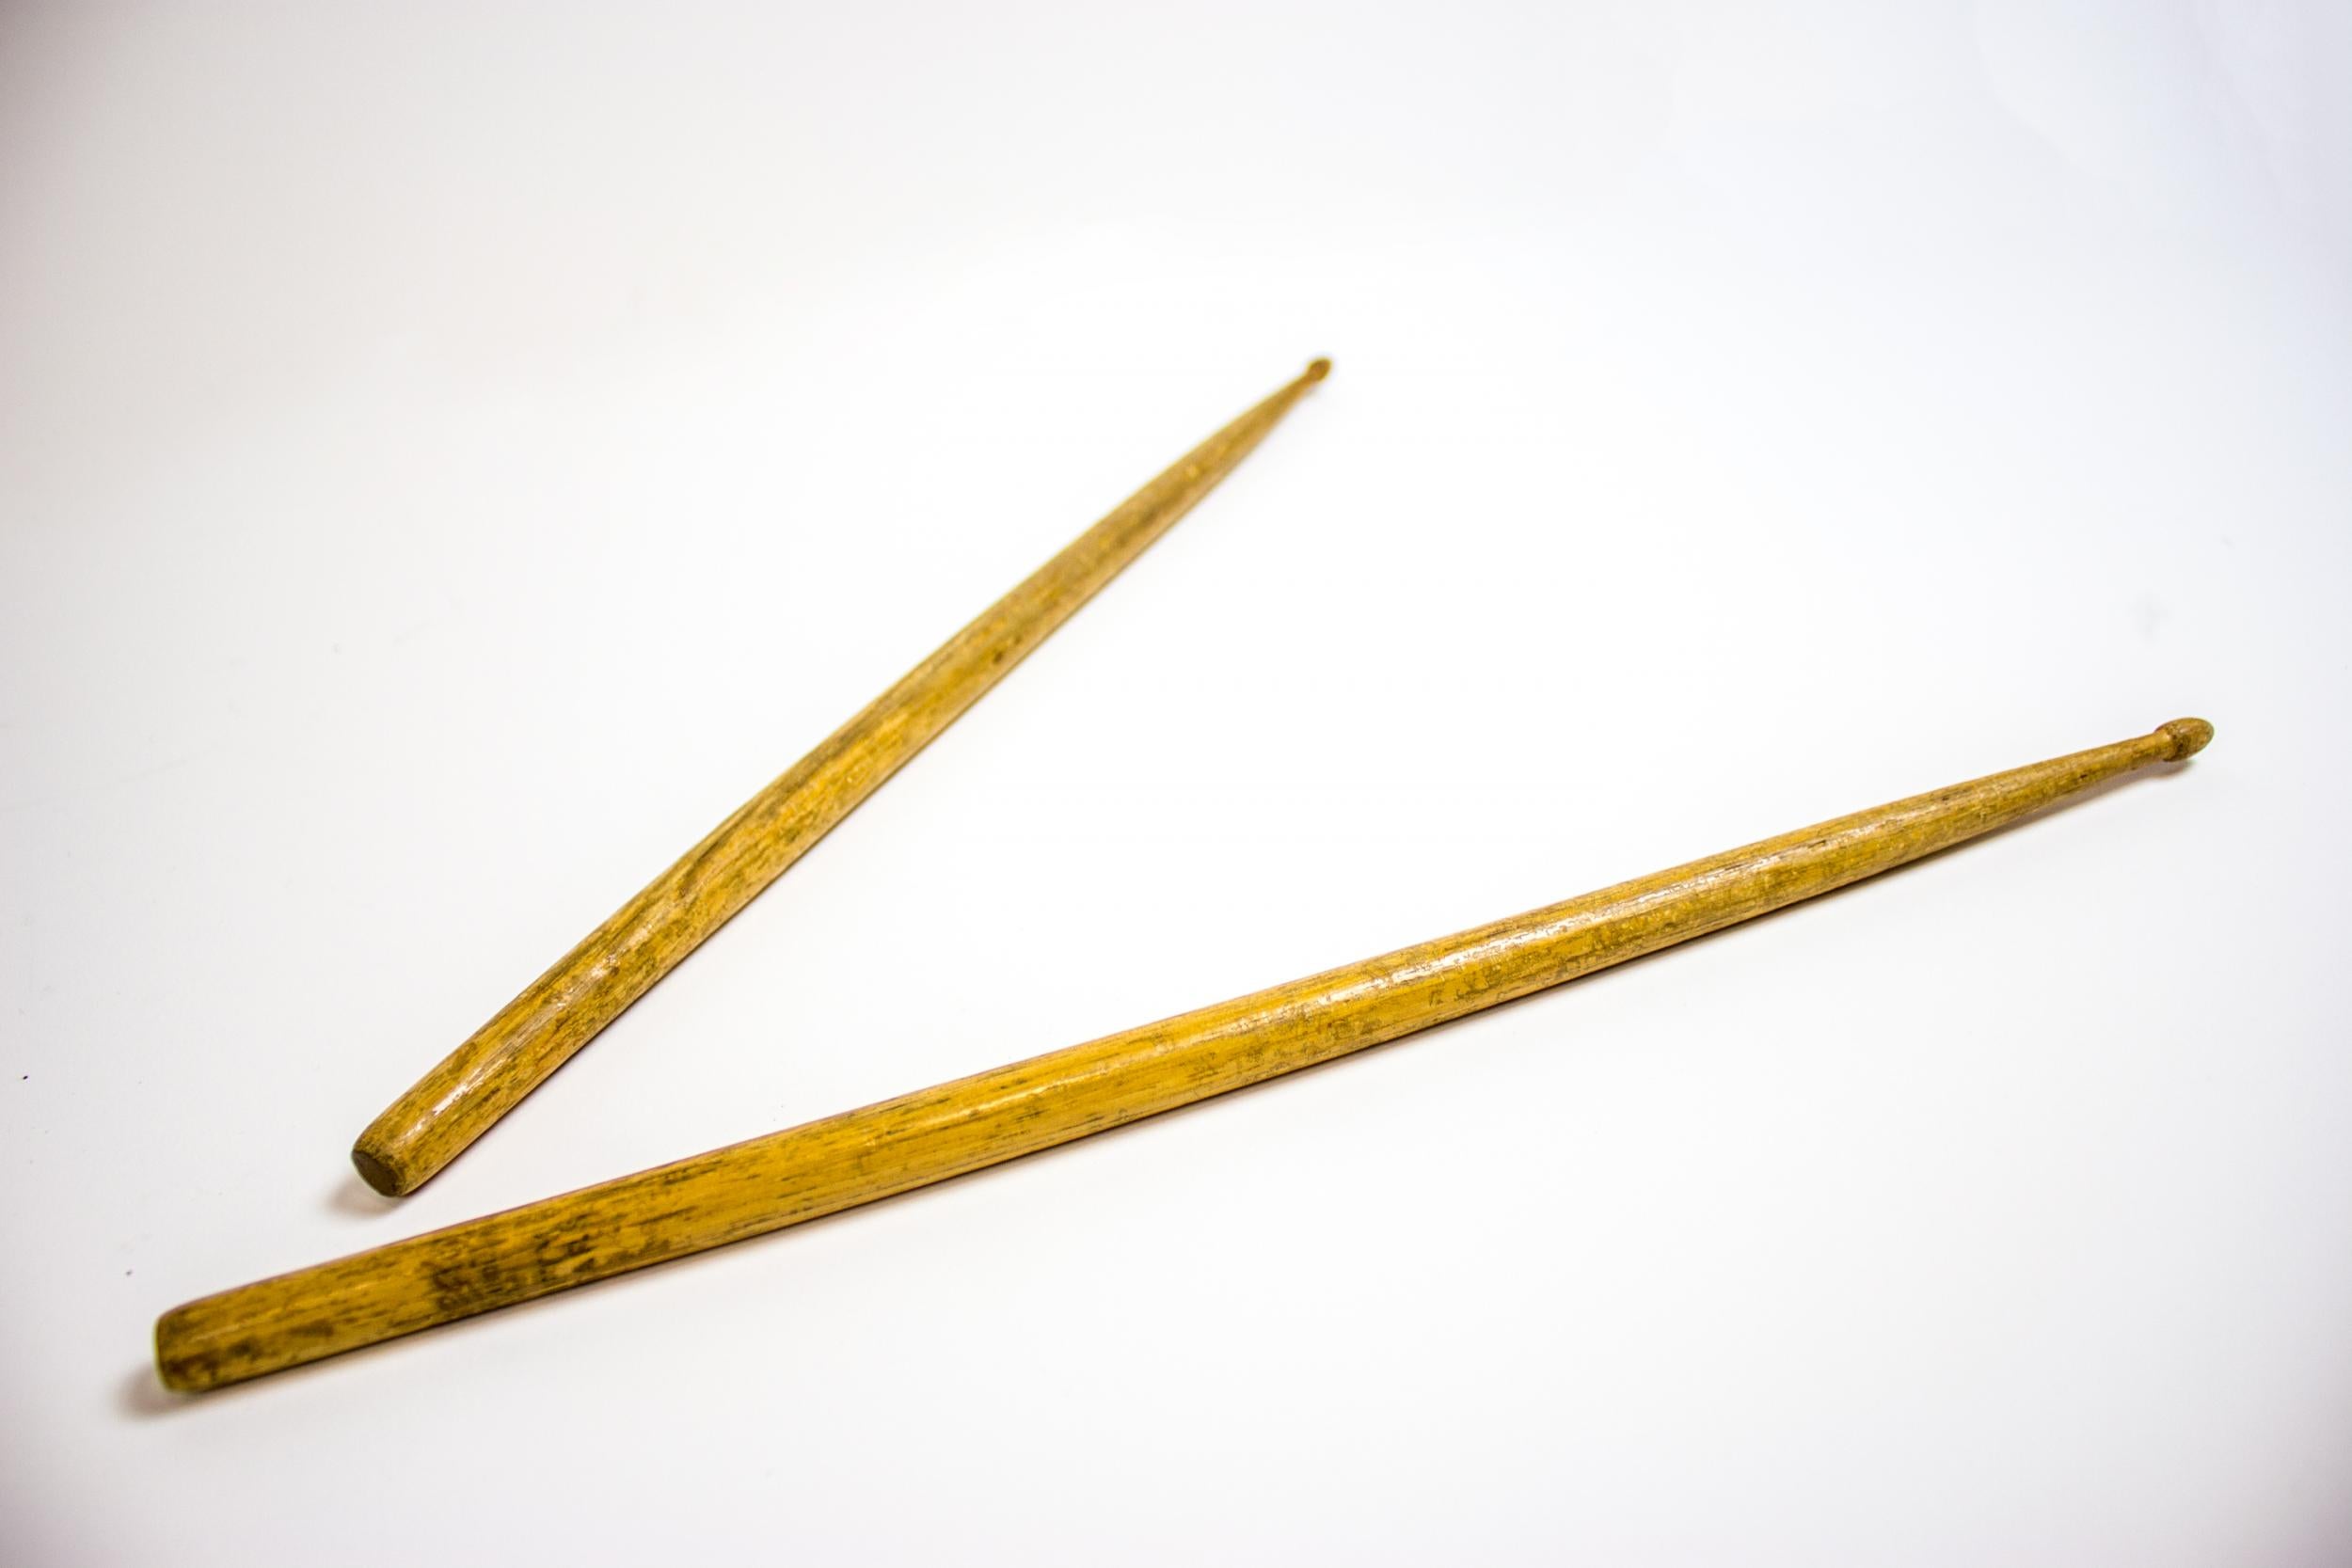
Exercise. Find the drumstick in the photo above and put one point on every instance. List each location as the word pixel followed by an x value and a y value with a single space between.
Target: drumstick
pixel 619 961
pixel 824 1166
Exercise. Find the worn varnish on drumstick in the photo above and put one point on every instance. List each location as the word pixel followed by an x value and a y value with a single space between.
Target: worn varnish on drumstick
pixel 618 962
pixel 783 1177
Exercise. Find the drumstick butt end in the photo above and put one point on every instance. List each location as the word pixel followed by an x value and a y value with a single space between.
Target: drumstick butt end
pixel 378 1172
pixel 174 1368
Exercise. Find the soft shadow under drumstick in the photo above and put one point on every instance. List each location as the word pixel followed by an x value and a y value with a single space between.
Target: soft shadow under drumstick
pixel 783 1177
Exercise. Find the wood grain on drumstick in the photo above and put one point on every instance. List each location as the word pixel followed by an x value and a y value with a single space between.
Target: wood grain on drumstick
pixel 618 962
pixel 783 1177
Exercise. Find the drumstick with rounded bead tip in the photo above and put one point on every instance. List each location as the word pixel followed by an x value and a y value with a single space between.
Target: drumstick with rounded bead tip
pixel 621 960
pixel 932 1134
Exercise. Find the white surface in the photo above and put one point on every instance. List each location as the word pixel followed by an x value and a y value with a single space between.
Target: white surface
pixel 450 459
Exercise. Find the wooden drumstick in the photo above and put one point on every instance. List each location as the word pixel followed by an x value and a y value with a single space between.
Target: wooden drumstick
pixel 824 1166
pixel 618 961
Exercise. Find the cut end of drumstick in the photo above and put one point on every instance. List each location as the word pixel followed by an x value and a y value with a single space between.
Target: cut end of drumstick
pixel 171 1370
pixel 2188 737
pixel 378 1174
pixel 1317 370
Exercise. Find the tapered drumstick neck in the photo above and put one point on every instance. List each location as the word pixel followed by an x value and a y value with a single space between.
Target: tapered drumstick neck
pixel 1156 507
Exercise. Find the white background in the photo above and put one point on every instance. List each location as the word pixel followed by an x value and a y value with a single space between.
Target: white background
pixel 449 457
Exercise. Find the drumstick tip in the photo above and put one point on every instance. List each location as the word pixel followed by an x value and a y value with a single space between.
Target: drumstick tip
pixel 1317 370
pixel 2188 737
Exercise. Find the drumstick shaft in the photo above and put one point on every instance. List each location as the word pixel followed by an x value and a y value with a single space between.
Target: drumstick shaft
pixel 824 1166
pixel 621 960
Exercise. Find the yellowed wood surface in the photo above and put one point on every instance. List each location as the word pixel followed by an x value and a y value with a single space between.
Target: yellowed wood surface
pixel 783 1177
pixel 618 962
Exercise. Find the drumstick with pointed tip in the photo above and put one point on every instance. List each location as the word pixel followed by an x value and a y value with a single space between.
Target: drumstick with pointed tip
pixel 935 1133
pixel 619 961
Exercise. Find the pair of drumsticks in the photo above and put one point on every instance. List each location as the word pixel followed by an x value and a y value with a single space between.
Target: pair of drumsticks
pixel 824 1166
